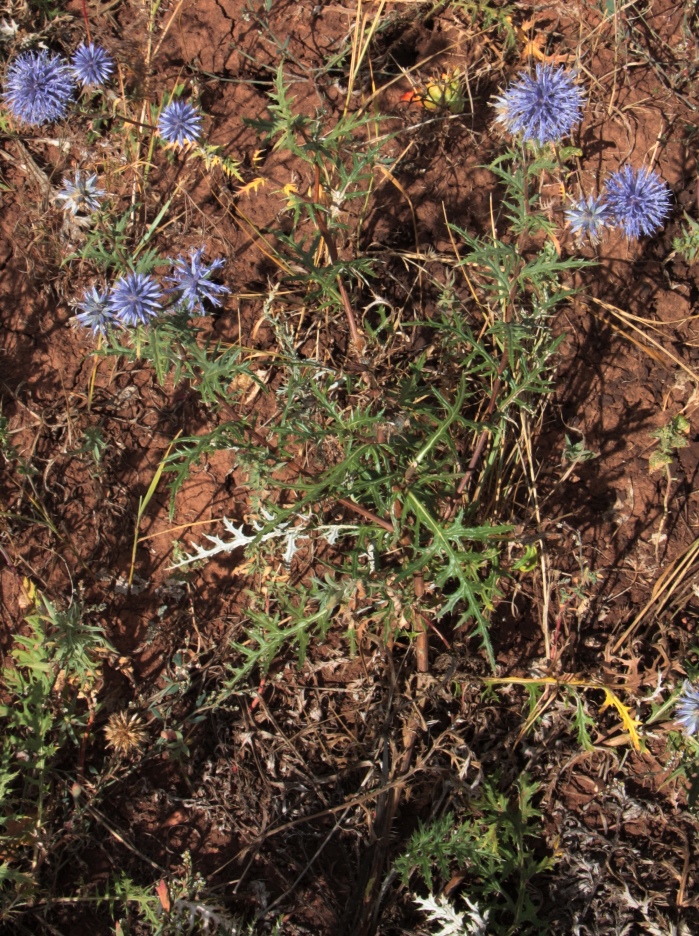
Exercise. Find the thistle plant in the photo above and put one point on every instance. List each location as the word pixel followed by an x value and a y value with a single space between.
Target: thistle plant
pixel 544 107
pixel 55 667
pixel 638 200
pixel 180 124
pixel 401 481
pixel 92 65
pixel 374 497
pixel 495 845
pixel 135 299
pixel 39 87
pixel 82 194
pixel 687 708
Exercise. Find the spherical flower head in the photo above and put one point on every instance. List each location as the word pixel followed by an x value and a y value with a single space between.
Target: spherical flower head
pixel 92 65
pixel 544 107
pixel 135 299
pixel 639 200
pixel 192 280
pixel 587 217
pixel 95 313
pixel 80 195
pixel 39 87
pixel 687 710
pixel 180 123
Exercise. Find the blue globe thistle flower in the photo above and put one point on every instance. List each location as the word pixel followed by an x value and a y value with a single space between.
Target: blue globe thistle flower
pixel 588 216
pixel 192 280
pixel 687 710
pixel 180 123
pixel 544 107
pixel 92 65
pixel 95 312
pixel 80 195
pixel 39 87
pixel 639 200
pixel 135 299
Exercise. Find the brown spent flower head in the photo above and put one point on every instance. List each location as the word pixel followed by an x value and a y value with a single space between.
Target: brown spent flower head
pixel 125 733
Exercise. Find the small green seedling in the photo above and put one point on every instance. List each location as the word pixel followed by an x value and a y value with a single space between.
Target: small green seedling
pixel 670 438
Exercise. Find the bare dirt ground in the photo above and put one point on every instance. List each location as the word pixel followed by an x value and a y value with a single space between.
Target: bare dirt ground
pixel 306 743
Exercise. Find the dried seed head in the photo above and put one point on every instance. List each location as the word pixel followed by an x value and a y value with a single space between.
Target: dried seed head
pixel 125 734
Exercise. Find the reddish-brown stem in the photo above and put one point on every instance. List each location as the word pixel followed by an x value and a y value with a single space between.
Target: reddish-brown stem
pixel 357 340
pixel 422 641
pixel 450 508
pixel 87 22
pixel 367 514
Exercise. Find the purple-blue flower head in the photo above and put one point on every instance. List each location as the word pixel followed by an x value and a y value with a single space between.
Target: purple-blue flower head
pixel 135 299
pixel 92 65
pixel 192 280
pixel 80 195
pixel 95 313
pixel 544 107
pixel 639 200
pixel 587 217
pixel 687 710
pixel 39 87
pixel 180 123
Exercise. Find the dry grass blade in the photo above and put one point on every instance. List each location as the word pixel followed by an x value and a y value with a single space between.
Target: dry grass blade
pixel 627 319
pixel 664 588
pixel 143 504
pixel 361 41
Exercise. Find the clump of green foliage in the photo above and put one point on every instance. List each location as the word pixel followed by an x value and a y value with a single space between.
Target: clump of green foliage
pixel 670 438
pixel 494 845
